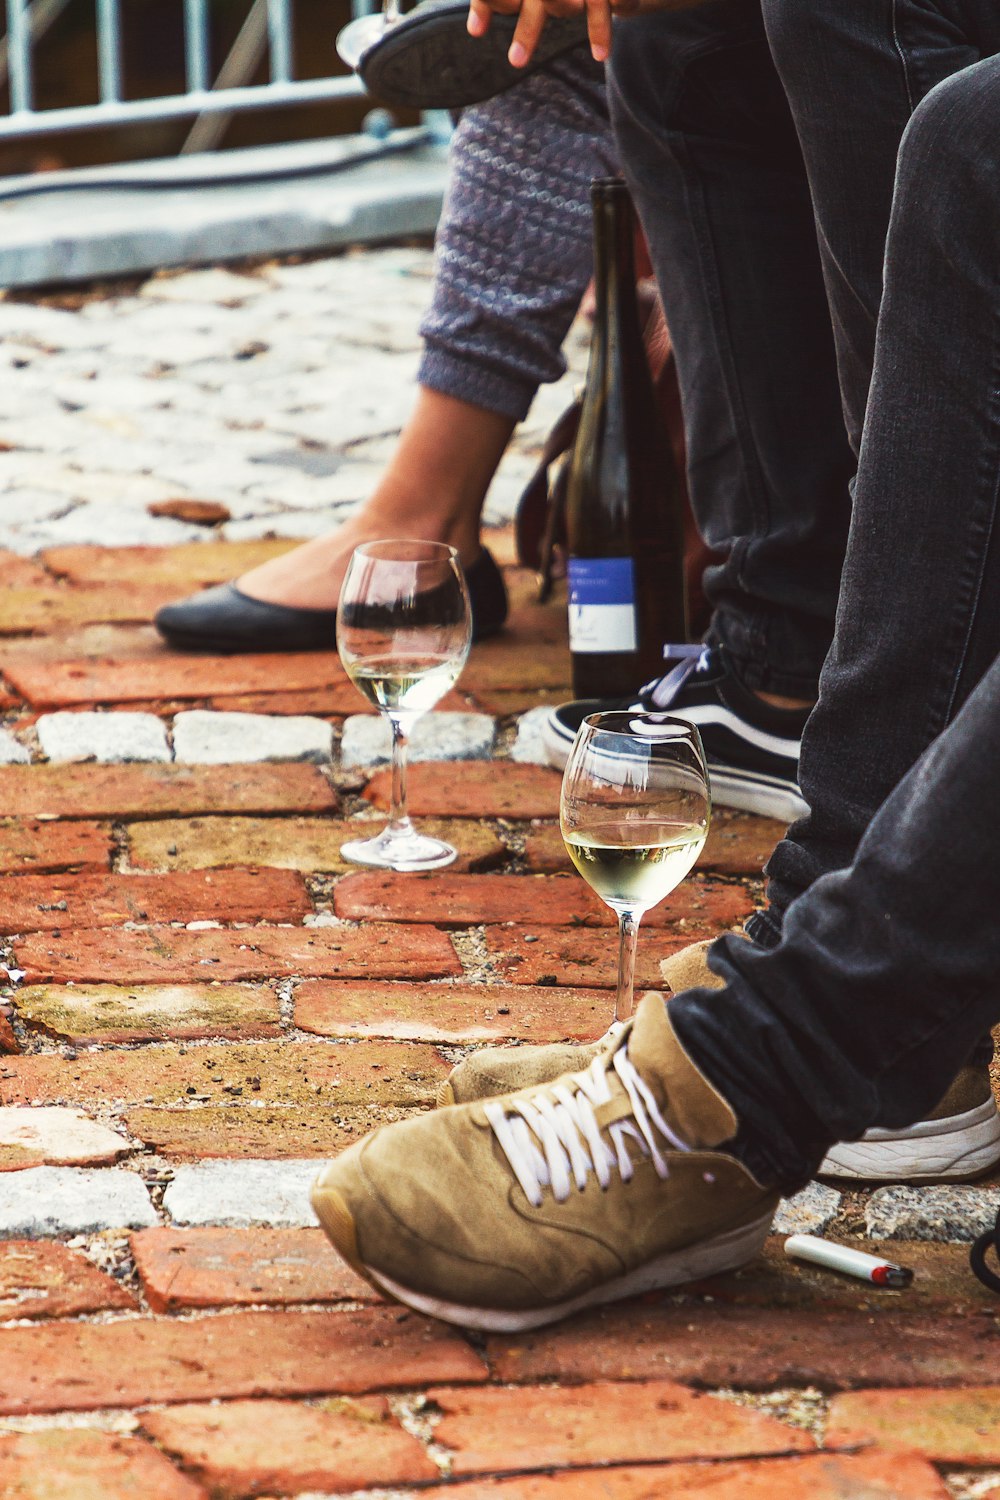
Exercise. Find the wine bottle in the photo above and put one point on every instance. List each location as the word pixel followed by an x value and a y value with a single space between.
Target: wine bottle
pixel 624 497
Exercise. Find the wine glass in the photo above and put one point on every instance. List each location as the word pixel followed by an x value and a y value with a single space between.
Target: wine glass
pixel 404 628
pixel 634 813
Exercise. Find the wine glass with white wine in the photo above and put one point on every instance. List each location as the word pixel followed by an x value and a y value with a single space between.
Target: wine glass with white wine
pixel 404 628
pixel 634 813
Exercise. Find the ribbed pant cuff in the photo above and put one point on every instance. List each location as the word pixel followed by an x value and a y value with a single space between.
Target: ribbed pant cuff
pixel 495 390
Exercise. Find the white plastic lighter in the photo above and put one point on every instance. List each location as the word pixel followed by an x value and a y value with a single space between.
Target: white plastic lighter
pixel 873 1268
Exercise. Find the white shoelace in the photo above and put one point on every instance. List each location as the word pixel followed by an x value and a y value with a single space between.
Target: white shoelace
pixel 690 658
pixel 554 1142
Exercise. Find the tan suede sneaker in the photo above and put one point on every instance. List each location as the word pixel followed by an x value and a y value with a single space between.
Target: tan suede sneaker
pixel 958 1142
pixel 513 1212
pixel 502 1070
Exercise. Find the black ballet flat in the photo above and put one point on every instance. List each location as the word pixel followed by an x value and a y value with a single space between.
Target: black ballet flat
pixel 225 621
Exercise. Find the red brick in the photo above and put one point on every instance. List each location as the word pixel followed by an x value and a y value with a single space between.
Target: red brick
pixel 50 607
pixel 942 1283
pixel 398 1073
pixel 820 1476
pixel 450 1013
pixel 165 955
pixel 35 903
pixel 107 679
pixel 77 1366
pixel 44 1279
pixel 148 1013
pixel 282 1131
pixel 759 1348
pixel 698 909
pixel 183 567
pixel 86 791
pixel 954 1427
pixel 738 844
pixel 307 844
pixel 474 789
pixel 81 1464
pixel 191 1268
pixel 8 1039
pixel 21 572
pixel 29 846
pixel 516 661
pixel 578 956
pixel 335 701
pixel 256 1447
pixel 530 1427
pixel 505 703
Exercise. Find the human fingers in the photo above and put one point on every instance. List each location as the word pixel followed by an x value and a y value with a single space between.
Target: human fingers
pixel 530 24
pixel 599 29
pixel 480 16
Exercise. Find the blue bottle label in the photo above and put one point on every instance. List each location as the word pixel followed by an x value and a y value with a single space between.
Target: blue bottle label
pixel 602 604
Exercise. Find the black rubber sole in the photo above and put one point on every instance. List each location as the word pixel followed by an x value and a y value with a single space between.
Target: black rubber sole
pixel 428 60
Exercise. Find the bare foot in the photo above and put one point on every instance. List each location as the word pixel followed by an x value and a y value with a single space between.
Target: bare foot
pixel 432 490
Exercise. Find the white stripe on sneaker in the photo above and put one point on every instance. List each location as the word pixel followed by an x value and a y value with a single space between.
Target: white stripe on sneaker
pixel 715 714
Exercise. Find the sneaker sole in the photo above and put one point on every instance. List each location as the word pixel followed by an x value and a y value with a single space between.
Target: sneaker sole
pixel 429 61
pixel 748 791
pixel 958 1148
pixel 726 1252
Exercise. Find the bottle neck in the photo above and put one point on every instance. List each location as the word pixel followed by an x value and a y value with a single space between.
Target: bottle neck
pixel 614 268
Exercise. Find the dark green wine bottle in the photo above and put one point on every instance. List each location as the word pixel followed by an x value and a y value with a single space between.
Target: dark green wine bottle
pixel 624 518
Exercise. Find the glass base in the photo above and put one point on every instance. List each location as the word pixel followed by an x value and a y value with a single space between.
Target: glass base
pixel 401 851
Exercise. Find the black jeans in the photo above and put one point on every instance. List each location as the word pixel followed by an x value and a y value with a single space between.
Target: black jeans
pixel 710 152
pixel 885 973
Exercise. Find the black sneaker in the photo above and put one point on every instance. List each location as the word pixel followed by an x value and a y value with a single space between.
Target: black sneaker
pixel 752 749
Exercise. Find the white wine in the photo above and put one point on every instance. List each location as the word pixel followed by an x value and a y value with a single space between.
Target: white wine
pixel 635 876
pixel 404 684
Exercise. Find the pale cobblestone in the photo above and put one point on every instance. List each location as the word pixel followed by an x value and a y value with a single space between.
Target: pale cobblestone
pixel 175 389
pixel 366 739
pixel 528 747
pixel 111 738
pixel 238 1194
pixel 45 1201
pixel 205 738
pixel 12 752
pixel 808 1212
pixel 954 1213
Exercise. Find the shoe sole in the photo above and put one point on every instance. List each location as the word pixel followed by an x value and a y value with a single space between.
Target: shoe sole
pixel 958 1148
pixel 725 1252
pixel 747 791
pixel 431 62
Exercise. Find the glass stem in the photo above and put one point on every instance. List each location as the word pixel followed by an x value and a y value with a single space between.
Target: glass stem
pixel 628 933
pixel 399 822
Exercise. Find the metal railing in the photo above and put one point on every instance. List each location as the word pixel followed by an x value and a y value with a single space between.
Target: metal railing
pixel 267 29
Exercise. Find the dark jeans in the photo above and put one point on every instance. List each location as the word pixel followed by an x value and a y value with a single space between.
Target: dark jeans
pixel 885 975
pixel 711 155
pixel 919 615
pixel 887 971
pixel 720 182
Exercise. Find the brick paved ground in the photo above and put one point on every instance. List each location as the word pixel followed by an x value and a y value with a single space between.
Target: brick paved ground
pixel 204 1001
